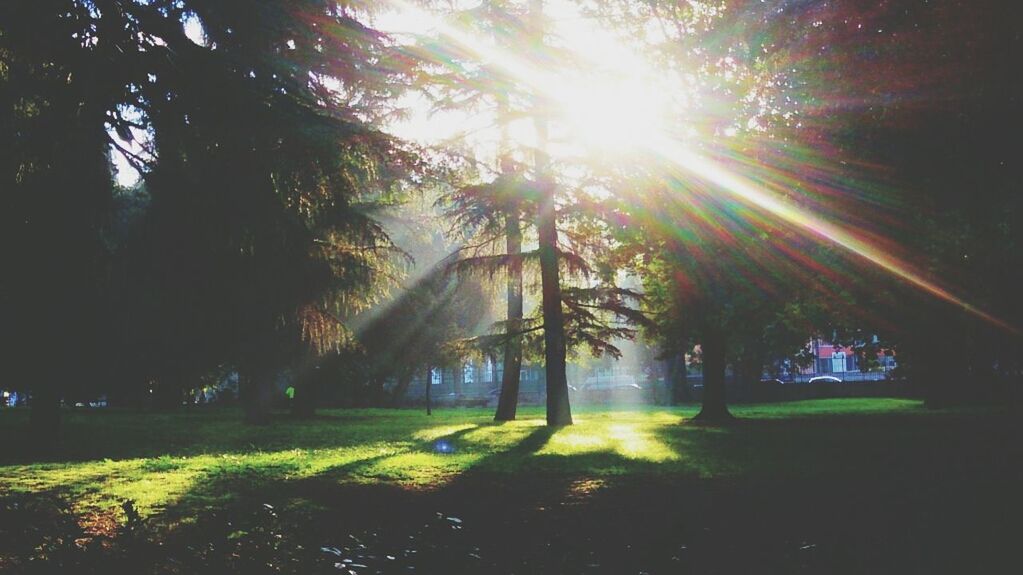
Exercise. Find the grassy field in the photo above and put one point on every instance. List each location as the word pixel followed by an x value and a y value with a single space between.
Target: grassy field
pixel 201 458
pixel 822 486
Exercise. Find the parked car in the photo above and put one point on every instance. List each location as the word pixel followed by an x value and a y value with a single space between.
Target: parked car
pixel 772 381
pixel 611 388
pixel 825 379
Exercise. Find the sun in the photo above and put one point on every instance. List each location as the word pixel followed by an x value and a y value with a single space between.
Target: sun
pixel 609 116
pixel 616 97
pixel 608 103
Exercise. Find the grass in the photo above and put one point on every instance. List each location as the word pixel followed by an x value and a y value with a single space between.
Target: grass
pixel 204 458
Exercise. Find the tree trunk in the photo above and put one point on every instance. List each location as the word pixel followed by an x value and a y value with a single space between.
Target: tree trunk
pixel 677 378
pixel 507 403
pixel 429 384
pixel 509 399
pixel 937 364
pixel 458 377
pixel 378 394
pixel 559 412
pixel 305 383
pixel 404 380
pixel 303 404
pixel 44 417
pixel 258 396
pixel 715 409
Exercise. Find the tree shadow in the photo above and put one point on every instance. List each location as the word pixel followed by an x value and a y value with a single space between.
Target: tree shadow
pixel 337 485
pixel 723 505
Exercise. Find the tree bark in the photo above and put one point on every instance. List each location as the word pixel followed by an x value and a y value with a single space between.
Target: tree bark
pixel 429 384
pixel 507 404
pixel 378 394
pixel 559 412
pixel 714 410
pixel 258 396
pixel 942 382
pixel 404 380
pixel 678 378
pixel 303 404
pixel 458 377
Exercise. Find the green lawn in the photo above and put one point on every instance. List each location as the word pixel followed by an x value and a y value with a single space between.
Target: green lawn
pixel 205 457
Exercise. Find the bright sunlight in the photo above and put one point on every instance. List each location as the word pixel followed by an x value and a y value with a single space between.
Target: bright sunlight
pixel 613 102
pixel 557 287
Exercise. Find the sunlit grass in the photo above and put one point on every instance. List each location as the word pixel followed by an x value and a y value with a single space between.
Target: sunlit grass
pixel 630 435
pixel 206 457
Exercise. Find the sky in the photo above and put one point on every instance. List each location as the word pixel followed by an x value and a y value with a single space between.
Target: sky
pixel 609 101
pixel 616 97
pixel 615 76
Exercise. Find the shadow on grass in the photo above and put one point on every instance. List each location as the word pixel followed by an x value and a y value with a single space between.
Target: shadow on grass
pixel 616 490
pixel 117 434
pixel 400 448
pixel 356 495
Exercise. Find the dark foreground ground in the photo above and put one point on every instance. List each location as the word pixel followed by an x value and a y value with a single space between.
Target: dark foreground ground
pixel 898 492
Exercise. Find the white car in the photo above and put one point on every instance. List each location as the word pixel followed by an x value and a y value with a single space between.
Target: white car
pixel 825 379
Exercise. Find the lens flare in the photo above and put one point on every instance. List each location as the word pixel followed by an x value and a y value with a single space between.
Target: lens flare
pixel 683 159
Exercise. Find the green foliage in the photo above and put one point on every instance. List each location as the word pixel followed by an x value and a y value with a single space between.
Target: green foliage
pixel 256 130
pixel 56 193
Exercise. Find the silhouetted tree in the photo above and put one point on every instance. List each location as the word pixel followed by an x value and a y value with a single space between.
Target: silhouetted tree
pixel 60 79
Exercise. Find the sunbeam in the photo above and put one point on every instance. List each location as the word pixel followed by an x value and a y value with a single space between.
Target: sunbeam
pixel 755 196
pixel 656 143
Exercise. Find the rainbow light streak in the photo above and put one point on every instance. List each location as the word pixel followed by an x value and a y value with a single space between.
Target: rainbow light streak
pixel 749 193
pixel 681 156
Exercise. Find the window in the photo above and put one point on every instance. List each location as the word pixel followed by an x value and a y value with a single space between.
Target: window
pixel 824 365
pixel 852 362
pixel 838 362
pixel 468 373
pixel 436 377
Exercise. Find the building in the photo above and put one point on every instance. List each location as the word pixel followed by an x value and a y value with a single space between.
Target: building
pixel 843 362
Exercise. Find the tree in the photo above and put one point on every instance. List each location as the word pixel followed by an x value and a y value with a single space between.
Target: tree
pixel 559 412
pixel 256 132
pixel 267 151
pixel 497 209
pixel 776 143
pixel 486 214
pixel 57 89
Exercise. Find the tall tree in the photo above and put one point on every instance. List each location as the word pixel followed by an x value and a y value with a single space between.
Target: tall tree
pixel 489 214
pixel 256 131
pixel 507 403
pixel 60 79
pixel 269 131
pixel 559 412
pixel 499 207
